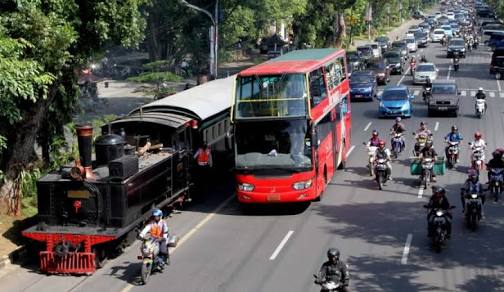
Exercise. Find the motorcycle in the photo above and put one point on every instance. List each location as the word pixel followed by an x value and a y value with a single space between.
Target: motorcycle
pixel 452 151
pixel 328 286
pixel 496 181
pixel 397 144
pixel 479 107
pixel 371 152
pixel 421 140
pixel 473 210
pixel 381 172
pixel 427 94
pixel 478 158
pixel 427 168
pixel 412 68
pixel 439 227
pixel 151 260
pixel 456 64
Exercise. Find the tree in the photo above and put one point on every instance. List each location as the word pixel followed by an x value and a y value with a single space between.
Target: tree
pixel 52 40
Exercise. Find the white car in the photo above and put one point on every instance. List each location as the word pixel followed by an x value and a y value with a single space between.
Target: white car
pixel 424 71
pixel 437 35
pixel 450 15
pixel 411 44
pixel 376 49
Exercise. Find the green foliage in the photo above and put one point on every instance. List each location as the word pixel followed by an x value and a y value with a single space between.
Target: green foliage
pixel 156 66
pixel 156 77
pixel 28 187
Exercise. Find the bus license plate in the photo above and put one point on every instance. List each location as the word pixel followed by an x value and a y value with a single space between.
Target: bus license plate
pixel 273 197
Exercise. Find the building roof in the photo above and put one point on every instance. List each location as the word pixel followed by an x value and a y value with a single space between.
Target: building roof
pixel 300 61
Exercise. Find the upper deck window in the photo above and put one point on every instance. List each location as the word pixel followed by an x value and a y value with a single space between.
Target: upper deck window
pixel 271 96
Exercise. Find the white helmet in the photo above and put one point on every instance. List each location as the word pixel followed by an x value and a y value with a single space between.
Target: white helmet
pixel 480 89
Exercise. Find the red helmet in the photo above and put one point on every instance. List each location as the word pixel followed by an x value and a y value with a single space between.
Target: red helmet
pixel 477 135
pixel 381 143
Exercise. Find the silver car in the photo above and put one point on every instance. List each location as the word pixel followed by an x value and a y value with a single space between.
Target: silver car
pixel 411 43
pixel 424 71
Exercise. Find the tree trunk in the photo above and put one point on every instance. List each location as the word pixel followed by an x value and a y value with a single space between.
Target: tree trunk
pixel 340 29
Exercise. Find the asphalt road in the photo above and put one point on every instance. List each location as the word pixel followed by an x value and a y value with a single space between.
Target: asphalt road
pixel 279 248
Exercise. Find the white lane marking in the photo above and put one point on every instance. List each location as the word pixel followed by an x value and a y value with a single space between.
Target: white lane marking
pixel 449 71
pixel 473 93
pixel 404 75
pixel 491 93
pixel 350 151
pixel 281 245
pixel 368 125
pixel 407 245
pixel 501 94
pixel 436 127
pixel 463 93
pixel 420 192
pixel 498 85
pixel 188 235
pixel 416 93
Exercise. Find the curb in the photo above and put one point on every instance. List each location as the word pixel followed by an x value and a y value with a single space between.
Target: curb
pixel 14 256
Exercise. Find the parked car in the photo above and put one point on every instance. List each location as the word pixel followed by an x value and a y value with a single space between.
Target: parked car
pixel 380 69
pixel 366 52
pixel 424 71
pixel 395 61
pixel 363 86
pixel 411 44
pixel 444 99
pixel 395 101
pixel 456 46
pixel 402 47
pixel 384 42
pixel 437 35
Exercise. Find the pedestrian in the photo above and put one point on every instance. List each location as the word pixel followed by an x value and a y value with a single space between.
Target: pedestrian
pixel 204 162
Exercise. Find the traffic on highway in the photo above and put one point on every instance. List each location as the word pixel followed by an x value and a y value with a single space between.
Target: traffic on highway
pixel 375 170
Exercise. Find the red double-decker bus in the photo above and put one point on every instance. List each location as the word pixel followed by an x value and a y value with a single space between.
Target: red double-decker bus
pixel 292 123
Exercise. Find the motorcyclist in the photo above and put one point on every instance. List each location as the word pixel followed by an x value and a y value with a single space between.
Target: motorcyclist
pixel 413 64
pixel 438 200
pixel 453 136
pixel 478 142
pixel 399 128
pixel 429 152
pixel 495 163
pixel 428 85
pixel 383 153
pixel 375 140
pixel 423 59
pixel 481 95
pixel 334 270
pixel 423 133
pixel 158 229
pixel 472 186
pixel 455 59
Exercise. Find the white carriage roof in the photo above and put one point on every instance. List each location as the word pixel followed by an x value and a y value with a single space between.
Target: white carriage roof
pixel 200 102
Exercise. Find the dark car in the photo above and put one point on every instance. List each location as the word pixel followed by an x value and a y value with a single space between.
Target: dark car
pixel 363 86
pixel 422 39
pixel 384 42
pixel 395 61
pixel 381 70
pixel 496 63
pixel 366 52
pixel 402 46
pixel 456 46
pixel 354 62
pixel 444 99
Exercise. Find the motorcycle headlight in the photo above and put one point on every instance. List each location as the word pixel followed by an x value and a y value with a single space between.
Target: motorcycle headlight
pixel 381 74
pixel 474 196
pixel 301 185
pixel 246 187
pixel 439 213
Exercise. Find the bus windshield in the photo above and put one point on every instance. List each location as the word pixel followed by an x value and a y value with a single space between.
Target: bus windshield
pixel 271 96
pixel 284 144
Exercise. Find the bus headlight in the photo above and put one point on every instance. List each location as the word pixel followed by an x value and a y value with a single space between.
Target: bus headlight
pixel 246 187
pixel 301 185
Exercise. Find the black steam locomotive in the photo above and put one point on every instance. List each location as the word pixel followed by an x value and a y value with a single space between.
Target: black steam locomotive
pixel 143 160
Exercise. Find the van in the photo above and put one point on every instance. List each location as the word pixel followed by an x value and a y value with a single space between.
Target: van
pixel 496 63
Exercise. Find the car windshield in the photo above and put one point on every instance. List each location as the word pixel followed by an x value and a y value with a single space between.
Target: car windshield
pixel 365 50
pixel 444 89
pixel 395 94
pixel 425 68
pixel 392 55
pixel 458 43
pixel 381 39
pixel 284 144
pixel 271 96
pixel 375 65
pixel 361 79
pixel 439 32
pixel 399 45
pixel 352 57
pixel 446 27
pixel 410 41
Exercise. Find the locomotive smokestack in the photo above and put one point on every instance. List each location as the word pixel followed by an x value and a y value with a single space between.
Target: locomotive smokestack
pixel 85 140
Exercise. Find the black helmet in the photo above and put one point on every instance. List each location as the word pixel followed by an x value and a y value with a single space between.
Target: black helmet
pixel 497 154
pixel 428 143
pixel 438 190
pixel 333 253
pixel 454 128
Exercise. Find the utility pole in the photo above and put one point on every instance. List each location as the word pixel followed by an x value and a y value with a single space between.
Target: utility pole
pixel 214 39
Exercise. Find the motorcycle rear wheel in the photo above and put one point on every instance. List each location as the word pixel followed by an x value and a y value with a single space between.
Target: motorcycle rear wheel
pixel 145 272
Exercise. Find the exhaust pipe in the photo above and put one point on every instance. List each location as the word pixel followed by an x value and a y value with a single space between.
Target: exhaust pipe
pixel 85 141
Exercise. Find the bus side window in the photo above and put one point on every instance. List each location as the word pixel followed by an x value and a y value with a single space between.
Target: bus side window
pixel 317 87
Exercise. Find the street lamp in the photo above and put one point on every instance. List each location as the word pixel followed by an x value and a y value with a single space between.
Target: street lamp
pixel 214 42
